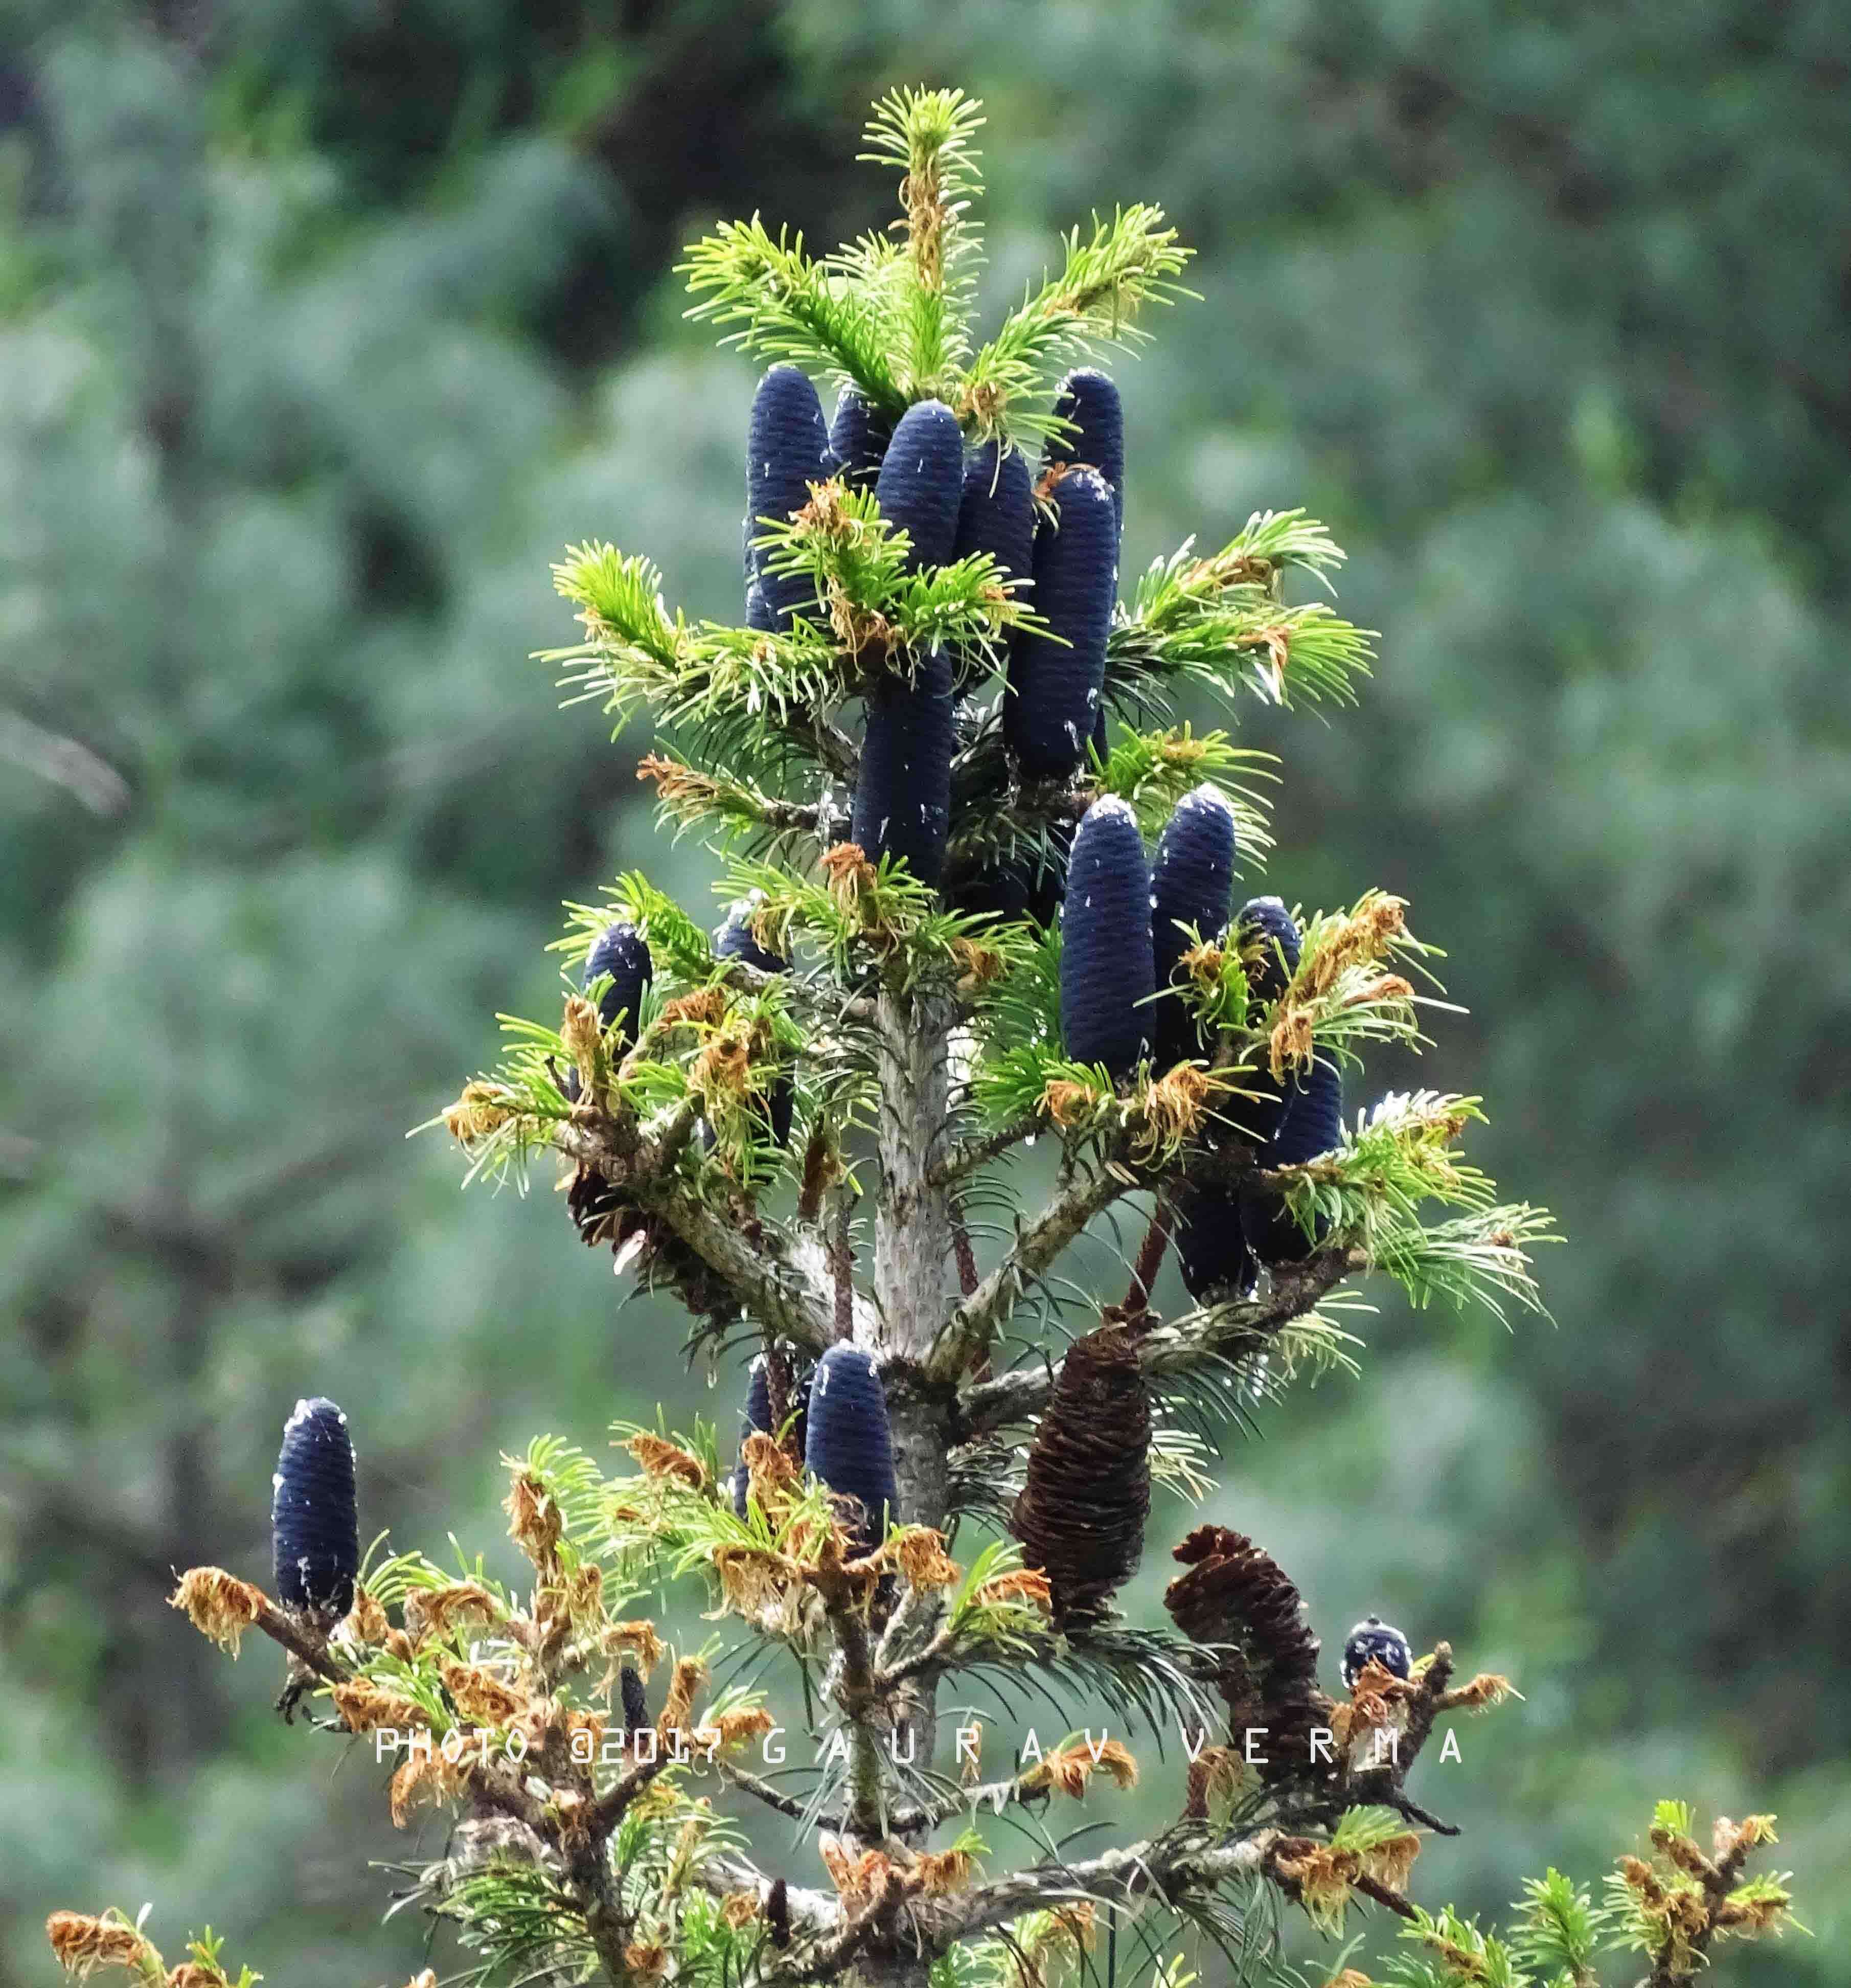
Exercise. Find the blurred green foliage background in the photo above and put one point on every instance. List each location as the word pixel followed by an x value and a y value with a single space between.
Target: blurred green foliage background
pixel 323 327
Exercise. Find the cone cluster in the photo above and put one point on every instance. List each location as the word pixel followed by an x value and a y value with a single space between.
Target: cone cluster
pixel 314 1515
pixel 1061 534
pixel 1080 1516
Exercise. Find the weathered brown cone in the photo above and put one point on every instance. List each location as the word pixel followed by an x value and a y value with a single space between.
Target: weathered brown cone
pixel 1080 1517
pixel 1234 1593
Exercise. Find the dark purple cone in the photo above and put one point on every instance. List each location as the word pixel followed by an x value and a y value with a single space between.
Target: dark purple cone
pixel 787 449
pixel 1312 1123
pixel 847 1444
pixel 921 480
pixel 1374 1641
pixel 996 515
pixel 1211 1249
pixel 903 796
pixel 734 940
pixel 1105 970
pixel 1191 882
pixel 314 1519
pixel 623 954
pixel 1268 939
pixel 1265 930
pixel 1052 705
pixel 859 437
pixel 635 1699
pixel 755 1419
pixel 1090 400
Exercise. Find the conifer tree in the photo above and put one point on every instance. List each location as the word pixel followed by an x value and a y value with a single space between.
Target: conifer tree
pixel 938 759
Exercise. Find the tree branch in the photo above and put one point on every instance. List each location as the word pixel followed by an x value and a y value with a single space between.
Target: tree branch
pixel 969 1154
pixel 1295 1289
pixel 784 1278
pixel 1160 1869
pixel 977 1321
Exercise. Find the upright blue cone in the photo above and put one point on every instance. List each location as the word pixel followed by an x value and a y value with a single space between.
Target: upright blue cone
pixel 787 449
pixel 848 1444
pixel 1055 679
pixel 314 1517
pixel 1107 974
pixel 1191 885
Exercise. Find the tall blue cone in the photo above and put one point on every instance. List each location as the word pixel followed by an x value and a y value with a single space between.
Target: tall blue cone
pixel 621 951
pixel 1211 1248
pixel 1107 974
pixel 996 514
pixel 921 481
pixel 787 449
pixel 903 793
pixel 1089 402
pixel 1053 704
pixel 859 436
pixel 1191 884
pixel 754 1419
pixel 1267 939
pixel 1311 1123
pixel 848 1444
pixel 314 1517
pixel 1214 1250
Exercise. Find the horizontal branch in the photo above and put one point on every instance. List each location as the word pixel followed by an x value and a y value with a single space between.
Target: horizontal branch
pixel 310 1651
pixel 813 1915
pixel 1161 1868
pixel 969 1154
pixel 1294 1288
pixel 783 1276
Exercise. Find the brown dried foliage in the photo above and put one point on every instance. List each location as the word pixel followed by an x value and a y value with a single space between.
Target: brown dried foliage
pixel 81 1943
pixel 366 1707
pixel 534 1521
pixel 677 1708
pixel 1068 1769
pixel 483 1108
pixel 660 1458
pixel 218 1604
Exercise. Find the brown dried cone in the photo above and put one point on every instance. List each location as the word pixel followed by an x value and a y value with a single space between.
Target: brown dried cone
pixel 1080 1517
pixel 1235 1595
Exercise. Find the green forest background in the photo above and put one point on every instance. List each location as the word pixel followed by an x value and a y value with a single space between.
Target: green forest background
pixel 324 324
